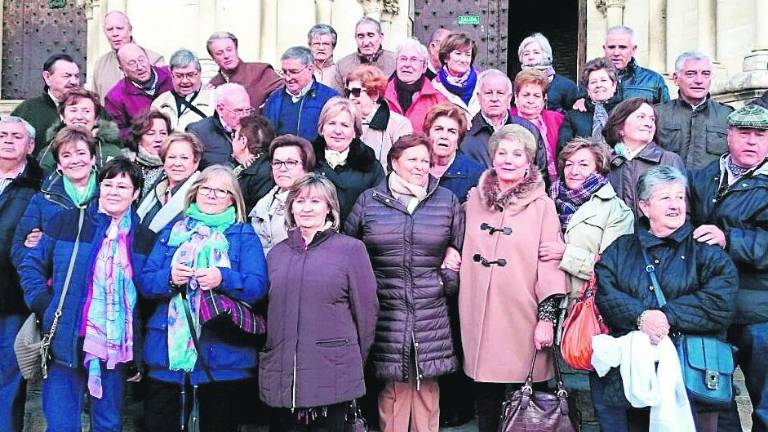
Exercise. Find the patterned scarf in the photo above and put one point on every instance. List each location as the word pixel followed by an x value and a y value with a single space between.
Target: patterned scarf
pixel 462 86
pixel 108 312
pixel 567 201
pixel 599 119
pixel 201 244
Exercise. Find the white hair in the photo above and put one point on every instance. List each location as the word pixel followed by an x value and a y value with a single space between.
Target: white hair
pixel 15 120
pixel 493 73
pixel 690 55
pixel 224 91
pixel 622 30
pixel 543 43
pixel 413 44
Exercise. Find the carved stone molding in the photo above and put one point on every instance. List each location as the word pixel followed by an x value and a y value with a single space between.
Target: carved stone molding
pixel 604 5
pixel 376 8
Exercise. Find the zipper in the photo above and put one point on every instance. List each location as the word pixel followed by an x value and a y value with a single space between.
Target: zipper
pixel 293 385
pixel 416 360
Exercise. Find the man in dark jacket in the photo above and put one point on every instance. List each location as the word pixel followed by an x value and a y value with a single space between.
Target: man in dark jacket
pixel 728 205
pixel 693 125
pixel 19 179
pixel 295 107
pixel 60 74
pixel 216 132
pixel 634 80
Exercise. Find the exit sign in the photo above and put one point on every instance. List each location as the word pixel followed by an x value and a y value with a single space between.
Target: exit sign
pixel 468 19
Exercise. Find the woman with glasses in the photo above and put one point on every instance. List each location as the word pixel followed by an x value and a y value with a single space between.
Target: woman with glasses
pixel 210 249
pixel 381 126
pixel 291 158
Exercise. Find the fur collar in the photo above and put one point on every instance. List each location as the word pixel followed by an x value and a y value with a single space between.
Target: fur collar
pixel 515 198
pixel 361 157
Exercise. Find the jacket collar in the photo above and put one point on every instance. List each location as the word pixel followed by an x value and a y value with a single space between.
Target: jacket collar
pixel 648 240
pixel 163 80
pixel 31 176
pixel 296 241
pixel 630 70
pixel 427 90
pixel 514 199
pixel 605 193
pixel 609 104
pixel 227 75
pixel 361 157
pixel 701 107
pixel 479 124
pixel 651 153
pixel 380 118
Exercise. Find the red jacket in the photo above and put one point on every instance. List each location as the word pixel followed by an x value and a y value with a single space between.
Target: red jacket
pixel 426 98
pixel 552 120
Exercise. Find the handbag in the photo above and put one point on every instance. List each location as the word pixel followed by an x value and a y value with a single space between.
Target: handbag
pixel 32 349
pixel 705 361
pixel 529 410
pixel 354 420
pixel 582 322
pixel 215 306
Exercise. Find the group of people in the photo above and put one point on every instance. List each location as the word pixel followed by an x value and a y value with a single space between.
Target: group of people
pixel 397 230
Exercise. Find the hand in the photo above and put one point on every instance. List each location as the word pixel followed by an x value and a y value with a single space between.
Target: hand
pixel 180 274
pixel 452 260
pixel 209 278
pixel 33 238
pixel 134 378
pixel 551 251
pixel 655 325
pixel 710 234
pixel 579 105
pixel 543 335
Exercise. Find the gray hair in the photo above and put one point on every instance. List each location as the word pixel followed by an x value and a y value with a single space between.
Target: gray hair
pixel 228 89
pixel 493 73
pixel 513 133
pixel 16 120
pixel 415 45
pixel 122 14
pixel 658 175
pixel 690 55
pixel 622 30
pixel 369 20
pixel 437 32
pixel 183 58
pixel 321 30
pixel 543 43
pixel 219 35
pixel 298 53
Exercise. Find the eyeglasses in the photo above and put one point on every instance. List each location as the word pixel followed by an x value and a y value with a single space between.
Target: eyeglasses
pixel 288 164
pixel 416 60
pixel 287 72
pixel 240 112
pixel 217 193
pixel 356 91
pixel 180 76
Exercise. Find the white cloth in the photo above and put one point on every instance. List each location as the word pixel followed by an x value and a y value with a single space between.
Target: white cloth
pixel 172 208
pixel 645 384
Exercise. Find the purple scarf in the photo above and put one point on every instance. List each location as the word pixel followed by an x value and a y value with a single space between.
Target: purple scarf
pixel 567 201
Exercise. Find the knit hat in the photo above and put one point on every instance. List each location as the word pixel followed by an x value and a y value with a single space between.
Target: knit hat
pixel 749 116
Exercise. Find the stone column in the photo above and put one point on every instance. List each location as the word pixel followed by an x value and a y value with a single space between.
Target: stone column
pixel 707 34
pixel 323 10
pixel 758 58
pixel 657 29
pixel 269 31
pixel 614 12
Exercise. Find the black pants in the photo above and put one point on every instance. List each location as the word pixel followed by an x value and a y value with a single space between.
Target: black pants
pixel 456 396
pixel 489 398
pixel 333 422
pixel 218 402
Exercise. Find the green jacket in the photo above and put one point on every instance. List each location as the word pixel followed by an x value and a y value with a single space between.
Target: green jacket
pixel 41 113
pixel 108 144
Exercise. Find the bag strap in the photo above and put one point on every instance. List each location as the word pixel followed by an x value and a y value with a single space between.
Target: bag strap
pixel 195 340
pixel 528 386
pixel 194 109
pixel 651 270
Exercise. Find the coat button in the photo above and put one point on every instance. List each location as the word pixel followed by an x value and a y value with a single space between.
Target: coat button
pixel 682 256
pixel 714 200
pixel 656 261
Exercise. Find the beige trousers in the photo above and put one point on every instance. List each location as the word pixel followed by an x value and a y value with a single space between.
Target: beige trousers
pixel 400 404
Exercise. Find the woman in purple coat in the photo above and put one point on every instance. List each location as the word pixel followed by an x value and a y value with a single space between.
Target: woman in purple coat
pixel 323 309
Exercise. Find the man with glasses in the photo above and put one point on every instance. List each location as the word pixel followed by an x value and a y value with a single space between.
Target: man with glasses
pixel 216 132
pixel 187 102
pixel 295 107
pixel 369 38
pixel 322 41
pixel 133 95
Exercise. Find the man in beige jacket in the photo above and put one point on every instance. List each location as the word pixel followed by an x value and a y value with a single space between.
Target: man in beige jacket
pixel 188 101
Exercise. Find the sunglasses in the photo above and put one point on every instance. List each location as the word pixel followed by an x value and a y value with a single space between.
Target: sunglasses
pixel 356 92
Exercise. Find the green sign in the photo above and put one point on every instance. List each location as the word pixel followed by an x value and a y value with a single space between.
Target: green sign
pixel 468 19
pixel 57 4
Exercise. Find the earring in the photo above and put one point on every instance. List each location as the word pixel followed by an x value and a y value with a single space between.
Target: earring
pixel 59 172
pixel 526 172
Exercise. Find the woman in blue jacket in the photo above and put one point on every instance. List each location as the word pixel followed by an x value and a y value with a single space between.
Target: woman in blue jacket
pixel 209 249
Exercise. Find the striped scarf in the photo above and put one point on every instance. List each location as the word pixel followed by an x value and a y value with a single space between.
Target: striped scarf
pixel 567 201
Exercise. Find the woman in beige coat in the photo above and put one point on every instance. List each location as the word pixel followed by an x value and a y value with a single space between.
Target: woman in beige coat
pixel 508 296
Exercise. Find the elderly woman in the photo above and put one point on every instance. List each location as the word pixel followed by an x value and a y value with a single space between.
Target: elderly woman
pixel 699 282
pixel 249 150
pixel 600 79
pixel 410 92
pixel 291 158
pixel 408 222
pixel 81 108
pixel 181 154
pixel 211 249
pixel 94 258
pixel 445 125
pixel 317 276
pixel 457 78
pixel 630 130
pixel 535 52
pixel 508 297
pixel 530 104
pixel 72 185
pixel 149 132
pixel 341 156
pixel 381 127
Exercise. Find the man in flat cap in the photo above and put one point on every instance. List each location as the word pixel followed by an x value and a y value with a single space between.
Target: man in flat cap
pixel 729 207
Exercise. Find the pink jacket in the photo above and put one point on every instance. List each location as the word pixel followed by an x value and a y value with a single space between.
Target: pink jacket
pixel 552 120
pixel 426 98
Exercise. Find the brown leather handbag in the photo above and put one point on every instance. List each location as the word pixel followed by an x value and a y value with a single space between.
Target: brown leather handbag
pixel 536 411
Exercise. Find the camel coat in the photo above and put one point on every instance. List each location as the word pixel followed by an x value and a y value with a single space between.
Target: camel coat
pixel 498 304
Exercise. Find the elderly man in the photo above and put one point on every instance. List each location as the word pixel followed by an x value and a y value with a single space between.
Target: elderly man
pixel 410 93
pixel 728 205
pixel 187 102
pixel 295 107
pixel 322 41
pixel 19 180
pixel 106 72
pixel 495 95
pixel 369 37
pixel 634 81
pixel 60 74
pixel 216 132
pixel 438 36
pixel 693 125
pixel 259 79
pixel 133 95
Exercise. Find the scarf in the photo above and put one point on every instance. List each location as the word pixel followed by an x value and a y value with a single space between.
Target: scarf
pixel 80 196
pixel 108 312
pixel 405 92
pixel 201 244
pixel 407 193
pixel 543 67
pixel 735 171
pixel 369 58
pixel 599 119
pixel 567 201
pixel 463 86
pixel 335 158
pixel 151 86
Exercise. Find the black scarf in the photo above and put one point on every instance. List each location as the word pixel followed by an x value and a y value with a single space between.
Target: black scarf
pixel 406 91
